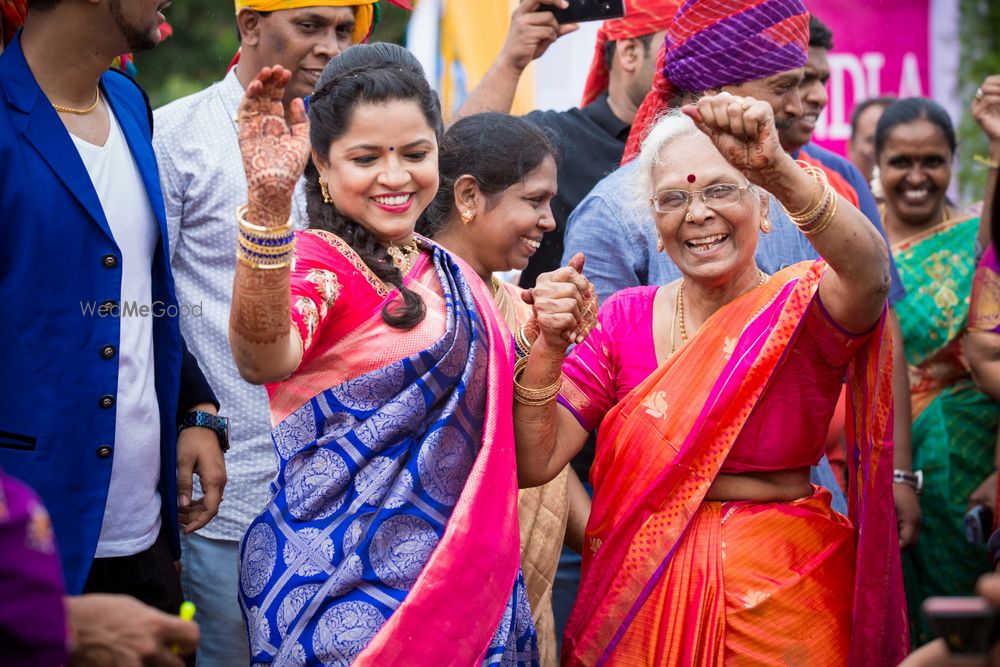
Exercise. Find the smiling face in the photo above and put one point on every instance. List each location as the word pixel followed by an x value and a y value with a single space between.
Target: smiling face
pixel 915 169
pixel 812 92
pixel 302 41
pixel 383 171
pixel 509 228
pixel 781 91
pixel 714 246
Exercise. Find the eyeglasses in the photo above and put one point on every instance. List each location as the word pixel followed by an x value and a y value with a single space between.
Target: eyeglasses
pixel 715 196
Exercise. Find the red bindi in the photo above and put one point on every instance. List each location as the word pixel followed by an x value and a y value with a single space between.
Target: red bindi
pixel 691 178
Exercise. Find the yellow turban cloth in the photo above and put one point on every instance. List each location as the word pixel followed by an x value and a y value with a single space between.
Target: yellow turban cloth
pixel 363 15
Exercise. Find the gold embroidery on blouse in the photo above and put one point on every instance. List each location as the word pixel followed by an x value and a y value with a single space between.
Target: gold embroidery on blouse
pixel 310 317
pixel 327 286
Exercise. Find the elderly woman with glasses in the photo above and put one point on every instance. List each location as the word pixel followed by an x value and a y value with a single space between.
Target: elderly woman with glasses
pixel 706 543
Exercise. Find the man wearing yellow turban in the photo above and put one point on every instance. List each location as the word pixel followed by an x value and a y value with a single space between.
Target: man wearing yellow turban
pixel 197 148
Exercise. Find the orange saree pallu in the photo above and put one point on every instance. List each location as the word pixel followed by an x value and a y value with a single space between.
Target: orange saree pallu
pixel 669 579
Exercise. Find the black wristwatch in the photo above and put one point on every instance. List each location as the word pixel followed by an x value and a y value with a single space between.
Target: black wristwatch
pixel 207 420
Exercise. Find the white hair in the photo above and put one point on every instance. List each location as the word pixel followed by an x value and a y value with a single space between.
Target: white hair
pixel 668 127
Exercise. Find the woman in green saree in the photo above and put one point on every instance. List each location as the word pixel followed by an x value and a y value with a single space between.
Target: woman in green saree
pixel 954 424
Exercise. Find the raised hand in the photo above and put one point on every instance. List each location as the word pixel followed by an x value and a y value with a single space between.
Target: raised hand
pixel 532 31
pixel 986 107
pixel 565 305
pixel 742 129
pixel 274 151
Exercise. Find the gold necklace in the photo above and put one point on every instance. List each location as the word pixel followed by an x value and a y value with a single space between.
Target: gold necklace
pixel 402 256
pixel 79 112
pixel 495 282
pixel 679 309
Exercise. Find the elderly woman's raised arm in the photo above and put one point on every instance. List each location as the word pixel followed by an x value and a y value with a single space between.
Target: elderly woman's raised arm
pixel 855 288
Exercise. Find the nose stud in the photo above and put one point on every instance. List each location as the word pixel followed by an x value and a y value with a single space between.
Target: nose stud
pixel 688 217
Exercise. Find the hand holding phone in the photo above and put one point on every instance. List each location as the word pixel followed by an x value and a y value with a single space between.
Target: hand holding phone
pixel 588 10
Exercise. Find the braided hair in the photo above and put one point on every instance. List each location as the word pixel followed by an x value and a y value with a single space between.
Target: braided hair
pixel 366 74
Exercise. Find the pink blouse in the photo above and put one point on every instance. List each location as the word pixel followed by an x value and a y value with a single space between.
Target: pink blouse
pixel 786 430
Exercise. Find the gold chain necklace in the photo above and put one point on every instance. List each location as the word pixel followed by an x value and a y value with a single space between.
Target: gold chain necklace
pixel 402 256
pixel 679 310
pixel 79 112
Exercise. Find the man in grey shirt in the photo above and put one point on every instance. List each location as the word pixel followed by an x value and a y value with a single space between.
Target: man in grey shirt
pixel 201 170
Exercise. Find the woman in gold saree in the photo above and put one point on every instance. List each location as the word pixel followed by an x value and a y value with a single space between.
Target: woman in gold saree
pixel 706 544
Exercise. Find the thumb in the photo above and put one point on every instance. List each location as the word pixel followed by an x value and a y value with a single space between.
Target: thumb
pixel 576 263
pixel 528 297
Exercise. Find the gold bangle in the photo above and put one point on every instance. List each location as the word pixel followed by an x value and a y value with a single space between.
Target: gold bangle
pixel 820 177
pixel 260 230
pixel 821 226
pixel 521 343
pixel 531 396
pixel 990 164
pixel 259 265
pixel 805 222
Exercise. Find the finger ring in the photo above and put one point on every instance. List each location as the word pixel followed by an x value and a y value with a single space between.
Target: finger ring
pixel 979 93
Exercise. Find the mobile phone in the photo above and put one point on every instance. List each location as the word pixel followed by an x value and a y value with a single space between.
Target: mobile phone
pixel 587 10
pixel 968 625
pixel 978 524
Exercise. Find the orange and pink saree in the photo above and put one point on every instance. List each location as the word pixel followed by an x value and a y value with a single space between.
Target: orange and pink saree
pixel 669 579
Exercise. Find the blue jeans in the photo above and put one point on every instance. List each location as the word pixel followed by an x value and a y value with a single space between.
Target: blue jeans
pixel 209 578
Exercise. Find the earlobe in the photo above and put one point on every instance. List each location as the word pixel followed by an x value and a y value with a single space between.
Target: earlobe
pixel 467 193
pixel 248 23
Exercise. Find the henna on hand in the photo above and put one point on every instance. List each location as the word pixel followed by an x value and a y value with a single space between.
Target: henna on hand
pixel 274 151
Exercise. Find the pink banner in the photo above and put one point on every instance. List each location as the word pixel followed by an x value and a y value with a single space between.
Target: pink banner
pixel 881 47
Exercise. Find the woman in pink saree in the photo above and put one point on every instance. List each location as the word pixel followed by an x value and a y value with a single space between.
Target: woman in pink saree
pixel 706 544
pixel 390 536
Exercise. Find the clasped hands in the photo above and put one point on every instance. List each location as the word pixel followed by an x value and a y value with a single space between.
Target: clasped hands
pixel 564 304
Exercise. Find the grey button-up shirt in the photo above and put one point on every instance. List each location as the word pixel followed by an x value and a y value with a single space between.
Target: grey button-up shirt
pixel 201 171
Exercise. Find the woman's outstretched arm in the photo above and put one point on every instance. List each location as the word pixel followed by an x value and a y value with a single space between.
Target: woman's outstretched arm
pixel 275 152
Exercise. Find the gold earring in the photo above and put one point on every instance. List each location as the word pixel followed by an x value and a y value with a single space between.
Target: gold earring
pixel 659 245
pixel 765 225
pixel 467 216
pixel 325 191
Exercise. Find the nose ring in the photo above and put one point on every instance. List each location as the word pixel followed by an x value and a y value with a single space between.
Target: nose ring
pixel 688 217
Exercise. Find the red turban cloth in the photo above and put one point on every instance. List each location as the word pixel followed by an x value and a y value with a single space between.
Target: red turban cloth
pixel 642 17
pixel 12 12
pixel 715 43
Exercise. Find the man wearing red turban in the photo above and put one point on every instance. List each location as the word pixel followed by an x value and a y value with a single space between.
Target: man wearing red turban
pixel 594 135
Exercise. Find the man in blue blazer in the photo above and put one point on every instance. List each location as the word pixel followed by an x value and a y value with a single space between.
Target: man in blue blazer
pixel 94 372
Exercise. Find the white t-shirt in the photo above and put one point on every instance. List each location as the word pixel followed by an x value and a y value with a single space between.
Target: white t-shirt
pixel 132 514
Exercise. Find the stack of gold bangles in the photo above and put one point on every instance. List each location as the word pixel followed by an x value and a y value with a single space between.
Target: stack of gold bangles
pixel 818 215
pixel 534 397
pixel 264 247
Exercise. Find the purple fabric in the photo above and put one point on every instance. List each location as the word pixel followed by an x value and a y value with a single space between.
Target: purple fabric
pixel 715 43
pixel 32 612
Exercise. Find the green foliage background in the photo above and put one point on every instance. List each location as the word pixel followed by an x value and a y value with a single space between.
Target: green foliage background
pixel 979 30
pixel 204 42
